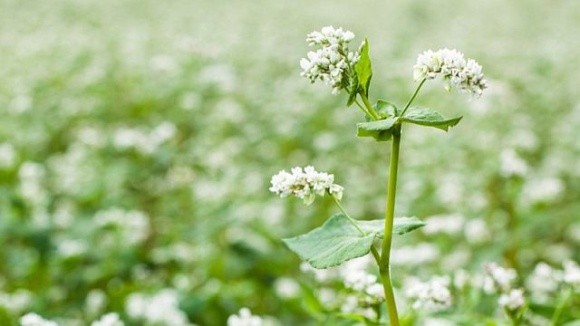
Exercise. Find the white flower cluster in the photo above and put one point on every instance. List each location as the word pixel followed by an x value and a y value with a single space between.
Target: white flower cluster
pixel 244 318
pixel 433 295
pixel 463 74
pixel 162 308
pixel 110 319
pixel 32 319
pixel 333 63
pixel 500 280
pixel 305 184
pixel 513 300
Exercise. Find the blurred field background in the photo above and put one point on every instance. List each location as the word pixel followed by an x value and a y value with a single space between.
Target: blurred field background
pixel 138 138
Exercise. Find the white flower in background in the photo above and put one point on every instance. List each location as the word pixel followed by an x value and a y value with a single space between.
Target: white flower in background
pixel 7 156
pixel 110 319
pixel 543 190
pixel 459 73
pixel 571 273
pixel 95 301
pixel 161 308
pixel 433 295
pixel 286 288
pixel 476 231
pixel 244 318
pixel 498 278
pixel 305 184
pixel 543 281
pixel 415 255
pixel 513 300
pixel 17 301
pixel 512 164
pixel 334 62
pixel 444 224
pixel 32 319
pixel 133 225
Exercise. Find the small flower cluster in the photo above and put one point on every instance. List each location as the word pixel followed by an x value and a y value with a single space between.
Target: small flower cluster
pixel 433 295
pixel 32 319
pixel 333 63
pixel 305 184
pixel 500 280
pixel 451 64
pixel 245 318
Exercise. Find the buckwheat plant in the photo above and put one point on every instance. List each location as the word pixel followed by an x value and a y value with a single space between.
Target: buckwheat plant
pixel 342 237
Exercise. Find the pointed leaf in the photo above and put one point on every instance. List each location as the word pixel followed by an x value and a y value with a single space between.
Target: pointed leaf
pixel 331 244
pixel 385 108
pixel 401 225
pixel 381 130
pixel 363 68
pixel 428 117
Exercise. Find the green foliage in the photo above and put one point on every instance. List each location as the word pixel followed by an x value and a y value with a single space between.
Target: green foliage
pixel 386 109
pixel 381 130
pixel 427 117
pixel 363 68
pixel 338 240
pixel 331 244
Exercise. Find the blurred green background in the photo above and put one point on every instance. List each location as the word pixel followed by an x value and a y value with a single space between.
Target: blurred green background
pixel 138 138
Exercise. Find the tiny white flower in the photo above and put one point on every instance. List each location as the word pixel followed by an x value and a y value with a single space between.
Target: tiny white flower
pixel 498 278
pixel 110 319
pixel 244 318
pixel 433 295
pixel 571 273
pixel 512 300
pixel 32 319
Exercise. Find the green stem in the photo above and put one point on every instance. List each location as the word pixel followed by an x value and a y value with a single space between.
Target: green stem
pixel 413 97
pixel 384 266
pixel 369 106
pixel 350 219
pixel 560 308
pixel 363 108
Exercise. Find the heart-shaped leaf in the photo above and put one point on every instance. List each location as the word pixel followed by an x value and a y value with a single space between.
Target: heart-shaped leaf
pixel 427 117
pixel 381 130
pixel 331 244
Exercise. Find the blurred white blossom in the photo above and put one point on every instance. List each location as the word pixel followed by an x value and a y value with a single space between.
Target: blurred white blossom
pixel 512 300
pixel 244 318
pixel 512 164
pixel 161 308
pixel 498 278
pixel 110 319
pixel 571 273
pixel 7 156
pixel 32 319
pixel 432 295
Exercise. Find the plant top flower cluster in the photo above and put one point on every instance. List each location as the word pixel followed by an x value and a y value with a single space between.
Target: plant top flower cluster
pixel 333 62
pixel 460 73
pixel 305 183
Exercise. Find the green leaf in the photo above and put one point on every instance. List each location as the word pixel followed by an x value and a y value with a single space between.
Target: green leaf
pixel 331 244
pixel 385 108
pixel 428 117
pixel 353 86
pixel 363 68
pixel 401 225
pixel 381 130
